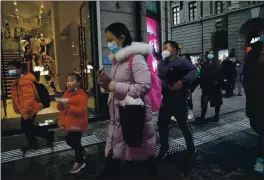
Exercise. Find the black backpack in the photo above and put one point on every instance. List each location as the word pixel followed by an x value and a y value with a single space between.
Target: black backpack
pixel 43 94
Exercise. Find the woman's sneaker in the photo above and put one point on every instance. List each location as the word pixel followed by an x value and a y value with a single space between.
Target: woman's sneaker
pixel 173 118
pixel 259 166
pixel 77 167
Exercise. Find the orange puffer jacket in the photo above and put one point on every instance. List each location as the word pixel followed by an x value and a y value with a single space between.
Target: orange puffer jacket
pixel 75 116
pixel 25 96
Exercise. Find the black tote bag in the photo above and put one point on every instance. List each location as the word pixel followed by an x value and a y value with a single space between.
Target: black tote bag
pixel 132 120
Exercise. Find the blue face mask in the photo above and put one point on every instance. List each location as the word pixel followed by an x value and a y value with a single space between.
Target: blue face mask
pixel 261 38
pixel 112 46
pixel 210 56
pixel 12 72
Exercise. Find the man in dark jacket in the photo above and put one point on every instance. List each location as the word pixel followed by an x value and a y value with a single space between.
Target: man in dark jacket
pixel 254 90
pixel 229 75
pixel 176 74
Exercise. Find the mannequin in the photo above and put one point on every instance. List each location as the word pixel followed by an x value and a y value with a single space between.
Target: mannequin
pixel 44 44
pixel 6 30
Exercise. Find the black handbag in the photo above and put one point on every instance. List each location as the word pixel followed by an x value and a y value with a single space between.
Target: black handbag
pixel 132 120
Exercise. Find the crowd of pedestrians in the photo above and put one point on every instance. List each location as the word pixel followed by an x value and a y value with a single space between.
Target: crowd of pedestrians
pixel 131 142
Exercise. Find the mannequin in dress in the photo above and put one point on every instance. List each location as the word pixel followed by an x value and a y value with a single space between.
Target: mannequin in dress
pixel 44 44
pixel 37 62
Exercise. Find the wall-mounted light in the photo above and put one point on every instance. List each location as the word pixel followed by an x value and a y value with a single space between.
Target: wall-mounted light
pixel 42 6
pixel 41 12
pixel 16 9
pixel 15 3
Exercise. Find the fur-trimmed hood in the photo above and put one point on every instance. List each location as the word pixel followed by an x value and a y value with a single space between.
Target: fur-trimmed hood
pixel 133 49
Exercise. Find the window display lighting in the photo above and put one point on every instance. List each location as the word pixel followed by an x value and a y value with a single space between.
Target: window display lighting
pixel 38 68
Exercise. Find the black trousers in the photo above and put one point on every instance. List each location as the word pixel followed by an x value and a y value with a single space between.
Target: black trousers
pixel 31 131
pixel 190 101
pixel 204 103
pixel 179 109
pixel 117 169
pixel 260 151
pixel 73 139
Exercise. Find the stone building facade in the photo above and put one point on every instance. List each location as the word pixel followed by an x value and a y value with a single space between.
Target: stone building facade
pixel 202 25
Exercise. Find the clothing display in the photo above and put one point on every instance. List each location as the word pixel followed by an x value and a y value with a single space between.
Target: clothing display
pixel 36 52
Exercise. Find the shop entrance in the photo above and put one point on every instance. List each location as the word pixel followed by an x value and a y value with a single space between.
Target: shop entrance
pixel 62 39
pixel 251 29
pixel 87 71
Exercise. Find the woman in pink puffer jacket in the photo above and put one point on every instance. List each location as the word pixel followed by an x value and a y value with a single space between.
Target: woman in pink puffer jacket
pixel 138 161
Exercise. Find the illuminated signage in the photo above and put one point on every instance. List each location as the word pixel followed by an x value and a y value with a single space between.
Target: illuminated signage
pixel 253 40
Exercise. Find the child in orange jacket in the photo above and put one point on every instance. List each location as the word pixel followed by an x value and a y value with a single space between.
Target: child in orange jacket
pixel 73 118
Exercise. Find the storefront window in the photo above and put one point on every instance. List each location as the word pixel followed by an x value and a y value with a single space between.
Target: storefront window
pixel 47 35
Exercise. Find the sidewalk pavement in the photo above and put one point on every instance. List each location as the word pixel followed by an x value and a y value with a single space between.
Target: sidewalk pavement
pixel 219 159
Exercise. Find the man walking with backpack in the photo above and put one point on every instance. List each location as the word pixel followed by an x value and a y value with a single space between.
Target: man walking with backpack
pixel 176 74
pixel 25 99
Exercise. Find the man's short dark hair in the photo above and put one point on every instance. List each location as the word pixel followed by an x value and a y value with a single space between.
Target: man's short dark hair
pixel 173 44
pixel 16 64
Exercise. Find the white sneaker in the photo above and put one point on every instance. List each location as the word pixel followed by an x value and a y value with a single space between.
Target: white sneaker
pixel 190 115
pixel 77 167
pixel 259 166
pixel 173 118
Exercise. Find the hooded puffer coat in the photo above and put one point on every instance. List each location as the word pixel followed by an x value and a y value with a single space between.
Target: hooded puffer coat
pixel 136 81
pixel 25 96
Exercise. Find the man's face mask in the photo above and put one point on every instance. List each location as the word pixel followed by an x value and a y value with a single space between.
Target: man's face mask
pixel 12 72
pixel 165 54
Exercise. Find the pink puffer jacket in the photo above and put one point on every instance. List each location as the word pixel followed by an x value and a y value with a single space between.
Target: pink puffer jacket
pixel 122 74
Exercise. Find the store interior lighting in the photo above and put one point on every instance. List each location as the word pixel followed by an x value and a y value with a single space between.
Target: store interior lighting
pixel 89 68
pixel 38 68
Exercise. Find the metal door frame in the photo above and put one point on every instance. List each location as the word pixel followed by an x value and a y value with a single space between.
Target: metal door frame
pixel 83 54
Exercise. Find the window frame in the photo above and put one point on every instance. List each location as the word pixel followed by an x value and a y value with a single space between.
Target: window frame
pixel 192 10
pixel 211 7
pixel 253 2
pixel 176 16
pixel 221 7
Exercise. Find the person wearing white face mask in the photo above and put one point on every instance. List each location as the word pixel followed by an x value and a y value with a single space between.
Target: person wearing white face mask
pixel 176 74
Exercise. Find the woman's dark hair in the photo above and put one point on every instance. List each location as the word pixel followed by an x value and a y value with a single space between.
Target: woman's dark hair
pixel 119 29
pixel 216 63
pixel 215 53
pixel 187 56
